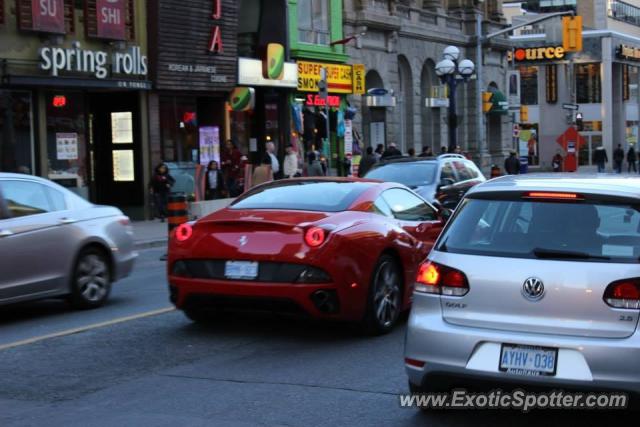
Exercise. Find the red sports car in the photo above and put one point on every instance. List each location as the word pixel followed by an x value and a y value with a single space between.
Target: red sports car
pixel 333 248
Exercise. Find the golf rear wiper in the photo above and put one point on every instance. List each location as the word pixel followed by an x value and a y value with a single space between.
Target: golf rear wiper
pixel 553 253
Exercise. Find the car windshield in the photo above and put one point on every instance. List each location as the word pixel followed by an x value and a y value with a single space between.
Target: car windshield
pixel 545 230
pixel 413 175
pixel 304 195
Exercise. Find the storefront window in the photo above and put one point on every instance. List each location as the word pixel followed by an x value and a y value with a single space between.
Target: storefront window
pixel 624 12
pixel 16 132
pixel 588 85
pixel 632 80
pixel 179 129
pixel 313 21
pixel 528 85
pixel 632 133
pixel 528 144
pixel 66 141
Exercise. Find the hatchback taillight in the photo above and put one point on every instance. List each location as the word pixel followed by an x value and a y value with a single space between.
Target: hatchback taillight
pixel 434 278
pixel 623 294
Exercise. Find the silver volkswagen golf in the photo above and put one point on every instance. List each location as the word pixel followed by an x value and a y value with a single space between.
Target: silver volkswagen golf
pixel 535 280
pixel 54 243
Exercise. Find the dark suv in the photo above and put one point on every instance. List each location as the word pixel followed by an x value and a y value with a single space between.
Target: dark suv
pixel 440 180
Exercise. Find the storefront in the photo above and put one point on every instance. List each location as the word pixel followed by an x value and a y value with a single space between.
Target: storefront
pixel 315 117
pixel 73 99
pixel 194 71
pixel 598 84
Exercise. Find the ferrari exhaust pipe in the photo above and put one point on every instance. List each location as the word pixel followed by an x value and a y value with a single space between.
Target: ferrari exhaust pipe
pixel 325 300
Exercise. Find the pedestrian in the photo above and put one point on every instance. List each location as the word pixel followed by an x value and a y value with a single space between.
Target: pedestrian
pixel 512 164
pixel 391 151
pixel 600 158
pixel 314 168
pixel 275 164
pixel 263 173
pixel 368 160
pixel 556 162
pixel 411 152
pixel 426 152
pixel 618 158
pixel 443 150
pixel 290 165
pixel 160 187
pixel 378 152
pixel 631 159
pixel 231 159
pixel 458 150
pixel 213 182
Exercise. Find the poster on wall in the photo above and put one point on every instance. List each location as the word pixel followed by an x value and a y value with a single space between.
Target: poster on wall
pixel 209 144
pixel 122 127
pixel 377 133
pixel 123 169
pixel 48 15
pixel 67 146
pixel 111 19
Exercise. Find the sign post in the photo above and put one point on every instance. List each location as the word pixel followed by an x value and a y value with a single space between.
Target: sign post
pixel 324 94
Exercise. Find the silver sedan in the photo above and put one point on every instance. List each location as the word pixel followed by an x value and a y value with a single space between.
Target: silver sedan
pixel 54 243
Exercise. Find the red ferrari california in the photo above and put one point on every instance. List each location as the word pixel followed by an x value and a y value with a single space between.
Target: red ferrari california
pixel 332 248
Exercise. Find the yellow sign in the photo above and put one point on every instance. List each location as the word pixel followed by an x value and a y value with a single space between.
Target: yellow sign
pixel 572 33
pixel 339 77
pixel 358 79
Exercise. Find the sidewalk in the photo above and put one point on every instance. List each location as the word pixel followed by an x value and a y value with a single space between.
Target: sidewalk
pixel 150 234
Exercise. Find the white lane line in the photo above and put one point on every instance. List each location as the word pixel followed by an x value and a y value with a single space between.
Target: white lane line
pixel 86 328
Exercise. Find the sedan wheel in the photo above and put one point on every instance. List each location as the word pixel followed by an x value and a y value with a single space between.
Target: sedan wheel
pixel 385 298
pixel 91 280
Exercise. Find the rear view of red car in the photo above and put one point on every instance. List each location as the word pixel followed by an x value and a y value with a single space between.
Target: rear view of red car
pixel 330 248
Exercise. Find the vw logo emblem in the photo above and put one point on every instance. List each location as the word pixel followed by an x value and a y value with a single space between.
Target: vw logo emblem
pixel 533 289
pixel 243 240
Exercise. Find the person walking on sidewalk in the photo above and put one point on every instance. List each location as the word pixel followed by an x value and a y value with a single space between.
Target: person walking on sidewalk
pixel 263 173
pixel 290 165
pixel 618 158
pixel 556 162
pixel 368 160
pixel 512 164
pixel 600 158
pixel 275 164
pixel 213 182
pixel 631 159
pixel 160 187
pixel 314 168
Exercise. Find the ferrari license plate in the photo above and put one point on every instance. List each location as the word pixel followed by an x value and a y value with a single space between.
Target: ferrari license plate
pixel 528 360
pixel 241 270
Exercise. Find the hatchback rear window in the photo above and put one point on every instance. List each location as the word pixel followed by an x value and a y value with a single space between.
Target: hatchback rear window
pixel 536 229
pixel 410 174
pixel 304 196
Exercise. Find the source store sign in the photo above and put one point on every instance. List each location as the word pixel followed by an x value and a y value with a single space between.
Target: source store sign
pixel 111 19
pixel 546 53
pixel 339 77
pixel 48 15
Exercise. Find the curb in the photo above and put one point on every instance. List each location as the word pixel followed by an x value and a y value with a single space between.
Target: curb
pixel 150 244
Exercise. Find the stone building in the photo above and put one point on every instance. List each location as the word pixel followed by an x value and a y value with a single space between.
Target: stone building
pixel 403 41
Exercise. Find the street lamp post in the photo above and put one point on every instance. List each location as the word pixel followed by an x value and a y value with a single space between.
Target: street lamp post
pixel 452 71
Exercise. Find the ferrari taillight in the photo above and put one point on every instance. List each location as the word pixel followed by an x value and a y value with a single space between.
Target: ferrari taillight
pixel 315 236
pixel 183 232
pixel 434 278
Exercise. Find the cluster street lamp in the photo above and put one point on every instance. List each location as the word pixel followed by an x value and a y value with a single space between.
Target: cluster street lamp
pixel 452 71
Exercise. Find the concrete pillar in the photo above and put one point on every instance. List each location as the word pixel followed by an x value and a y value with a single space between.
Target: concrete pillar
pixel 619 110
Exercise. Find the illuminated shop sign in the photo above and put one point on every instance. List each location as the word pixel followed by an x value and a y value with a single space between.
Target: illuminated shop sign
pixel 547 53
pixel 317 101
pixel 628 52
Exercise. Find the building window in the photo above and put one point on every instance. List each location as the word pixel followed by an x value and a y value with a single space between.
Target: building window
pixel 1 11
pixel 91 21
pixel 625 12
pixel 588 85
pixel 313 21
pixel 552 83
pixel 631 78
pixel 528 85
pixel 549 5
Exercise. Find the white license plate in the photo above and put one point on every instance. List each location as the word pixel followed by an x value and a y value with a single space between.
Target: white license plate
pixel 241 270
pixel 528 360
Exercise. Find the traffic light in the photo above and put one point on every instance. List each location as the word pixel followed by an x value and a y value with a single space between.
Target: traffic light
pixel 579 123
pixel 487 105
pixel 572 33
pixel 524 114
pixel 323 88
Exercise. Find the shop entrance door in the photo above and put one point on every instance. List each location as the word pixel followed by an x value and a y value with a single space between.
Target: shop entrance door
pixel 585 155
pixel 115 152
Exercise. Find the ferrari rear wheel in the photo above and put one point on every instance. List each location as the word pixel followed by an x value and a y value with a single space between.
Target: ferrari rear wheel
pixel 384 304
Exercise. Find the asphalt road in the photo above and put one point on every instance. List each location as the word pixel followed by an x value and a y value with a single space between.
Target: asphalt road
pixel 117 369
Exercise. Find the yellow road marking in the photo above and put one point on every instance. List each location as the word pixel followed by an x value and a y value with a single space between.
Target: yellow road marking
pixel 86 328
